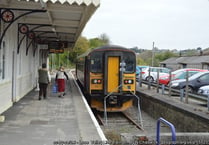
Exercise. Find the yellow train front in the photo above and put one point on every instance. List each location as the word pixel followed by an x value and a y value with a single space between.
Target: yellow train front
pixel 107 75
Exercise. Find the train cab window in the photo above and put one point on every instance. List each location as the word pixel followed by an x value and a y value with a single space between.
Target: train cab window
pixel 96 63
pixel 130 63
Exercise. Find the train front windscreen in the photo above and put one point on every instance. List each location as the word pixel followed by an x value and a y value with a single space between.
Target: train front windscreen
pixel 96 63
pixel 130 62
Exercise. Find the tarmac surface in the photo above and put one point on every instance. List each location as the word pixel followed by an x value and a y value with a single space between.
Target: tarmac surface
pixel 51 121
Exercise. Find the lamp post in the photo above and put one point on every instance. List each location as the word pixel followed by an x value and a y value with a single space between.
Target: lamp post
pixel 153 52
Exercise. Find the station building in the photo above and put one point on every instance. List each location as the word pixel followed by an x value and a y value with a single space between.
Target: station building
pixel 199 62
pixel 28 29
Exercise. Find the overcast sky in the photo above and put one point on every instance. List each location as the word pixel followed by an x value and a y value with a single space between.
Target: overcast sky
pixel 171 24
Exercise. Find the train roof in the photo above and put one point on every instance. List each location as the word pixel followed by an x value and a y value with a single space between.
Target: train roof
pixel 105 47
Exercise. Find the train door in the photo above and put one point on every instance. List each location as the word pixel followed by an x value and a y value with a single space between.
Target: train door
pixel 113 73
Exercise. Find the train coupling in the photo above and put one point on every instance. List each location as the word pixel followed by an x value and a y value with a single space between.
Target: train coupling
pixel 112 100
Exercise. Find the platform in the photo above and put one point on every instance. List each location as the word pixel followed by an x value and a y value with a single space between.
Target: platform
pixel 51 121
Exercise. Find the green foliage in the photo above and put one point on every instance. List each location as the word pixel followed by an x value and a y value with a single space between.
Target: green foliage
pixel 140 61
pixel 97 42
pixel 104 38
pixel 81 46
pixel 189 52
pixel 164 55
pixel 137 50
pixel 60 59
pixel 145 58
pixel 68 58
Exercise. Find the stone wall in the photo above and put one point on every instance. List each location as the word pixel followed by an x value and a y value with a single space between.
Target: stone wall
pixel 184 119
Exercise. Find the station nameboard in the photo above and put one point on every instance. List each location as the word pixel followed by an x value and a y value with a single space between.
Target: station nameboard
pixel 57 46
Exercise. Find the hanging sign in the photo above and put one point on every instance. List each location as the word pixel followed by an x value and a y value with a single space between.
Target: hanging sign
pixel 57 46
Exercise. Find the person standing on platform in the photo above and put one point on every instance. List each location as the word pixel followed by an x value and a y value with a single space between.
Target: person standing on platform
pixel 44 79
pixel 60 80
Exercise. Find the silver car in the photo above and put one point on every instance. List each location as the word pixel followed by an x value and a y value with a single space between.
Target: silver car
pixel 153 73
pixel 204 90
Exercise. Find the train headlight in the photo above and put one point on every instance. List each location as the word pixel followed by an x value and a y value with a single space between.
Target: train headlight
pixel 128 81
pixel 96 81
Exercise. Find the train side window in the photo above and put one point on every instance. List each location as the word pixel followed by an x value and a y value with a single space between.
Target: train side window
pixel 96 63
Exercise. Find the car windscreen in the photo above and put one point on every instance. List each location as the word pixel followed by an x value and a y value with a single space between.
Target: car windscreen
pixel 196 75
pixel 183 75
pixel 178 75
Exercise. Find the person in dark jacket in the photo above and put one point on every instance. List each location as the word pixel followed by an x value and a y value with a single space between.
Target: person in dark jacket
pixel 43 79
pixel 60 80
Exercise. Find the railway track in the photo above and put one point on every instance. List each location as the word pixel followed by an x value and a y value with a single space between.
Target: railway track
pixel 119 124
pixel 118 118
pixel 122 124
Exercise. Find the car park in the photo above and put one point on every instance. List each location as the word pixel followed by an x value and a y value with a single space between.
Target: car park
pixel 194 82
pixel 179 74
pixel 152 76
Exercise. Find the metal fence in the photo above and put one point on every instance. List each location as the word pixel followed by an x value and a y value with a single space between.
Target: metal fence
pixel 184 94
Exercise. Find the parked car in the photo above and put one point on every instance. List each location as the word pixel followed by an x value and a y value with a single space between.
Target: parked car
pixel 194 82
pixel 165 79
pixel 179 74
pixel 204 90
pixel 139 68
pixel 153 73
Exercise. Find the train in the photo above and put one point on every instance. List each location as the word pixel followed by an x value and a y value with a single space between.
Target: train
pixel 107 75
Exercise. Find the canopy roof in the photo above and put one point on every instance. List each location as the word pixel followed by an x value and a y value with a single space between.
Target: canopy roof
pixel 58 20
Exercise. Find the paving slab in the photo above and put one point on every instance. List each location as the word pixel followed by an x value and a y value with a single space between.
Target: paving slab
pixel 49 121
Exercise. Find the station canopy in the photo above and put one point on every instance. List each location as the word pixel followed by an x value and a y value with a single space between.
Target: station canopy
pixel 51 20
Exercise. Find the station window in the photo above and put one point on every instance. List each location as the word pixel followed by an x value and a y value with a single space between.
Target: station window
pixel 184 65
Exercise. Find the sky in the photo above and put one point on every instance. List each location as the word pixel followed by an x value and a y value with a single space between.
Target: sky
pixel 170 24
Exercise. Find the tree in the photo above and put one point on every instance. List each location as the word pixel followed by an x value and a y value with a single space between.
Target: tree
pixel 146 56
pixel 103 39
pixel 81 46
pixel 136 49
pixel 95 42
pixel 164 55
pixel 140 61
